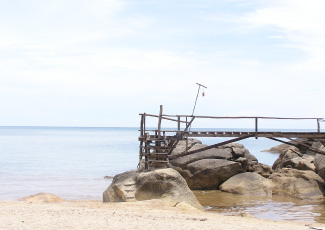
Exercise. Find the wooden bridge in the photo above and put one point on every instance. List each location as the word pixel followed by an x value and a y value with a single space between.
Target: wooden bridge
pixel 157 145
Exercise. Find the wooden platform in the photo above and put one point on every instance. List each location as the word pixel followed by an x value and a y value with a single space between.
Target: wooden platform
pixel 156 145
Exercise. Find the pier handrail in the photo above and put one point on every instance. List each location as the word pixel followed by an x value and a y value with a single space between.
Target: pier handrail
pixel 179 121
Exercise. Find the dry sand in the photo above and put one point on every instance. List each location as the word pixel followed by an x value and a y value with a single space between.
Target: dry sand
pixel 153 214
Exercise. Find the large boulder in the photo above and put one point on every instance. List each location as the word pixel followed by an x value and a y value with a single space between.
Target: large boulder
pixel 289 157
pixel 184 145
pixel 298 183
pixel 210 173
pixel 317 145
pixel 214 153
pixel 239 151
pixel 248 183
pixel 209 168
pixel 42 198
pixel 280 148
pixel 293 158
pixel 320 165
pixel 166 184
pixel 262 169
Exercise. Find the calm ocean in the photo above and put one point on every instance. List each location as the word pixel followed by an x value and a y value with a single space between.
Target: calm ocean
pixel 72 162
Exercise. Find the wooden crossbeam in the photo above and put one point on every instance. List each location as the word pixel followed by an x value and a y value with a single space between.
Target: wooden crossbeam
pixel 211 146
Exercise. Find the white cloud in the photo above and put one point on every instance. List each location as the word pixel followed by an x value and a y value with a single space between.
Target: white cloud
pixel 301 23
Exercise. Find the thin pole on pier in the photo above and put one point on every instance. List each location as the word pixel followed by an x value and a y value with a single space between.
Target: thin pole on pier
pixel 197 95
pixel 144 123
pixel 318 126
pixel 256 128
pixel 159 122
pixel 179 123
pixel 141 126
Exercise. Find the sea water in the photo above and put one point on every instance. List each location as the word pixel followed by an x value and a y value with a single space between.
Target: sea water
pixel 72 163
pixel 69 162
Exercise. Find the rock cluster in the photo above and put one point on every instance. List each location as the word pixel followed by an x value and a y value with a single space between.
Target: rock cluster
pixel 230 168
pixel 166 184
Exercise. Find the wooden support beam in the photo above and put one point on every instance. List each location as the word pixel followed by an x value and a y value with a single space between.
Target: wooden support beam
pixel 189 124
pixel 159 121
pixel 179 124
pixel 307 146
pixel 141 126
pixel 284 142
pixel 211 146
pixel 163 117
pixel 256 128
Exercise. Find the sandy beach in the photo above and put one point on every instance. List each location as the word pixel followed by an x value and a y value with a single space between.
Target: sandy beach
pixel 153 214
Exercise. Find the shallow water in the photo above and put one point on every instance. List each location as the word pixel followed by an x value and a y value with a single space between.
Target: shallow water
pixel 273 208
pixel 72 163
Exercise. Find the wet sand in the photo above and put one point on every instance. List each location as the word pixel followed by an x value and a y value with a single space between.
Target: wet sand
pixel 153 214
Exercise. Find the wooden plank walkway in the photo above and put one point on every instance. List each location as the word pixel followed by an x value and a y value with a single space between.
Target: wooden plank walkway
pixel 157 145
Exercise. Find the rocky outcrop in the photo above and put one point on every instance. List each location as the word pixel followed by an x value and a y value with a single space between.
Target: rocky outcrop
pixel 166 184
pixel 248 183
pixel 320 165
pixel 289 157
pixel 42 198
pixel 300 184
pixel 293 158
pixel 210 173
pixel 182 144
pixel 262 169
pixel 282 147
pixel 209 168
pixel 214 153
pixel 239 151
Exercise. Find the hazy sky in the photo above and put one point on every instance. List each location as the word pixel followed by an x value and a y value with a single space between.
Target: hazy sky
pixel 102 62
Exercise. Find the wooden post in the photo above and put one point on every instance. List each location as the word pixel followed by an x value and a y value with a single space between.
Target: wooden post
pixel 318 126
pixel 159 121
pixel 141 126
pixel 179 124
pixel 144 123
pixel 256 128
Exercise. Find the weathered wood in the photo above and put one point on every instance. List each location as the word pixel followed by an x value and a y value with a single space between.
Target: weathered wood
pixel 247 117
pixel 157 149
pixel 256 129
pixel 307 146
pixel 189 124
pixel 179 124
pixel 141 126
pixel 163 117
pixel 144 124
pixel 210 147
pixel 159 120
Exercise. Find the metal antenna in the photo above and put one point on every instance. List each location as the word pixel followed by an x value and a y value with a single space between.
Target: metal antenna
pixel 197 95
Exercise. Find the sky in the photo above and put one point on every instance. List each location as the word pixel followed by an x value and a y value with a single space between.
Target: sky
pixel 102 62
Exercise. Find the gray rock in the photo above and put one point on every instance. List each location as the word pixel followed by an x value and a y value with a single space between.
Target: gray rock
pixel 166 184
pixel 181 146
pixel 210 173
pixel 207 154
pixel 298 183
pixel 307 163
pixel 320 165
pixel 317 145
pixel 282 147
pixel 238 150
pixel 290 157
pixel 248 183
pixel 262 169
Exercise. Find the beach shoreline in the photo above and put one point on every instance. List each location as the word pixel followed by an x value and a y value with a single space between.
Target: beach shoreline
pixel 152 214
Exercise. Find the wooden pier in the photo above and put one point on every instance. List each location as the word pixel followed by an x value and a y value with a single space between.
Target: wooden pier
pixel 156 145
